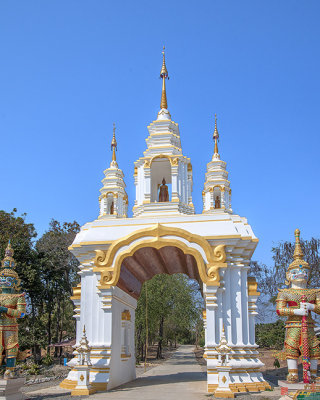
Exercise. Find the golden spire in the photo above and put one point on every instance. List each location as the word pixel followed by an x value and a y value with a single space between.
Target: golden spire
pixel 215 136
pixel 164 76
pixel 114 143
pixel 298 261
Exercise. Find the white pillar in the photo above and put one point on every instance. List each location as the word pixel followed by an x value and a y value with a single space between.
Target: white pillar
pixel 237 338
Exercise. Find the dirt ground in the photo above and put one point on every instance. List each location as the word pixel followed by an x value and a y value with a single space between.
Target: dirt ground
pixel 60 372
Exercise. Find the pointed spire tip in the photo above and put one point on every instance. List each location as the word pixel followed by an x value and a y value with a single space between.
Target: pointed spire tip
pixel 114 143
pixel 164 75
pixel 215 137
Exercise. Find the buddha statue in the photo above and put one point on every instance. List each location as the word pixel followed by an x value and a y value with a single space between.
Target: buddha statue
pixel 163 192
pixel 217 202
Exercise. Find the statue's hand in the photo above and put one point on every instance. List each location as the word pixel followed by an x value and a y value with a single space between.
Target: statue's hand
pixel 303 310
pixel 309 306
pixel 3 309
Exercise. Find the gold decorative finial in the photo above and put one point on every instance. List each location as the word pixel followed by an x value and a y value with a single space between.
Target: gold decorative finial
pixel 223 344
pixel 164 75
pixel 298 261
pixel 114 143
pixel 215 138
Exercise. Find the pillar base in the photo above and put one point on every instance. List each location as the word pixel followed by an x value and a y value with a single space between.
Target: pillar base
pixel 227 393
pixel 78 391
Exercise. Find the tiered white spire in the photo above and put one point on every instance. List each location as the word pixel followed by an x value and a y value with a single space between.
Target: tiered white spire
pixel 113 199
pixel 217 193
pixel 163 161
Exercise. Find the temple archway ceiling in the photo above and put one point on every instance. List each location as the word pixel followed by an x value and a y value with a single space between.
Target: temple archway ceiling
pixel 147 262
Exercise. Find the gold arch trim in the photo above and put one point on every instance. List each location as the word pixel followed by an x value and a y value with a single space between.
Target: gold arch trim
pixel 109 265
pixel 173 159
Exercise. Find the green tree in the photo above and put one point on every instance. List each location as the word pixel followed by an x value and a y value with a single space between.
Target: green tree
pixel 14 227
pixel 174 311
pixel 270 335
pixel 58 275
pixel 270 279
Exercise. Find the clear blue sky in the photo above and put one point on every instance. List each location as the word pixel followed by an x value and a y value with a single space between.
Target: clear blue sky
pixel 71 68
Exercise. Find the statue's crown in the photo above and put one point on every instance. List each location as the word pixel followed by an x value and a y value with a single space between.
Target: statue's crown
pixel 298 261
pixel 8 266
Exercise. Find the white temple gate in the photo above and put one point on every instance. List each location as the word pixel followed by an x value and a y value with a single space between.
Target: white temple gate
pixel 117 254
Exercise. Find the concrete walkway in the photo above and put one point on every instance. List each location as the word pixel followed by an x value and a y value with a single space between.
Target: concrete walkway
pixel 179 377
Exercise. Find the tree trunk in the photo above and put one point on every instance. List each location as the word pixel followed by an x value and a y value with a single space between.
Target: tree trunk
pixel 49 327
pixel 159 350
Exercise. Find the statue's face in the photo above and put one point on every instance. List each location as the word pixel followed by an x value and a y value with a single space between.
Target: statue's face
pixel 299 274
pixel 7 282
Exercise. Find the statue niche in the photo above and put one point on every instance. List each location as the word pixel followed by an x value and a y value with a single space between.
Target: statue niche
pixel 217 202
pixel 163 192
pixel 110 204
pixel 160 172
pixel 216 198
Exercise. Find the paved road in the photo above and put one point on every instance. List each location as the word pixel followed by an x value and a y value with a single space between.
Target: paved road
pixel 178 377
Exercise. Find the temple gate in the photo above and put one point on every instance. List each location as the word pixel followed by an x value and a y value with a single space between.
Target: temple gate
pixel 117 254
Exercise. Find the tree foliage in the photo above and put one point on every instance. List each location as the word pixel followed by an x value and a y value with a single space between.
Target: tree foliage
pixel 270 335
pixel 48 271
pixel 271 279
pixel 174 312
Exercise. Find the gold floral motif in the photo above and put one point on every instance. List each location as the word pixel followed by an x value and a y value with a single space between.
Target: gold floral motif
pixel 174 161
pixel 125 315
pixel 147 163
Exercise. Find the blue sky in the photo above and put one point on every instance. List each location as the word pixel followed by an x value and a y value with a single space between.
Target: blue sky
pixel 69 69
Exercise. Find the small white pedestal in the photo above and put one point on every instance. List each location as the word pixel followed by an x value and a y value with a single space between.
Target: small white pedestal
pixel 223 390
pixel 10 389
pixel 83 387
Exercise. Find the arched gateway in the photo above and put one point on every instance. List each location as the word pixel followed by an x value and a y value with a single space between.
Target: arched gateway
pixel 117 254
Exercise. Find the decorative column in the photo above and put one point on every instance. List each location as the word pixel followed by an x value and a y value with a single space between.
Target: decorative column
pixel 147 182
pixel 222 197
pixel 253 295
pixel 210 295
pixel 174 179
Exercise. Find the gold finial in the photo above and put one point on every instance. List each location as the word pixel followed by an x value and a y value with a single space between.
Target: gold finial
pixel 164 75
pixel 298 261
pixel 223 344
pixel 114 143
pixel 297 249
pixel 215 136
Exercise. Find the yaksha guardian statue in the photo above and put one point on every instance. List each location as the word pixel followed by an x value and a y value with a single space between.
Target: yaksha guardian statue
pixel 12 306
pixel 298 302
